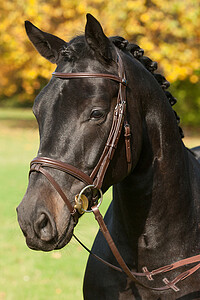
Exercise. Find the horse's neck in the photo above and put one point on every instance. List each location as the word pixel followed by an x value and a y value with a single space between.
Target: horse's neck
pixel 154 204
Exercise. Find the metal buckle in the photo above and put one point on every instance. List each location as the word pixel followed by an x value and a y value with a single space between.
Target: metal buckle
pixel 124 82
pixel 80 195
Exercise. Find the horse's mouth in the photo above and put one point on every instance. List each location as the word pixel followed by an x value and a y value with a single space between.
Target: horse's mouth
pixel 64 240
pixel 66 236
pixel 39 245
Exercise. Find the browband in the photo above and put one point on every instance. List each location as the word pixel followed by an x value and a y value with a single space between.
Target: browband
pixel 90 75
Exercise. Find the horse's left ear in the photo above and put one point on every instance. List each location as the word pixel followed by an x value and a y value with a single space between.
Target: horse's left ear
pixel 96 38
pixel 48 45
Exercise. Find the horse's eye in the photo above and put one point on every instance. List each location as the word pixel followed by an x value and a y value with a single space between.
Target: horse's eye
pixel 96 114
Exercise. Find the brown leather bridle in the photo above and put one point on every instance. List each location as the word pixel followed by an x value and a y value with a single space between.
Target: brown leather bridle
pixel 94 181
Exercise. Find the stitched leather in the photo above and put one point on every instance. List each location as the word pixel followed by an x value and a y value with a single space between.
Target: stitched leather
pixel 132 275
pixel 89 75
pixel 127 135
pixel 62 166
pixel 37 168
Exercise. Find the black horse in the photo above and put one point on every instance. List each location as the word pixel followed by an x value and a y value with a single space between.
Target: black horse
pixel 154 216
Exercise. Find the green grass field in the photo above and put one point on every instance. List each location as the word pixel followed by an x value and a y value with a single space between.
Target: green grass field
pixel 27 274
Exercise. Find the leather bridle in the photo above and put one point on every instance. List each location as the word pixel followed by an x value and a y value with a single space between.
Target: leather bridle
pixel 94 182
pixel 95 179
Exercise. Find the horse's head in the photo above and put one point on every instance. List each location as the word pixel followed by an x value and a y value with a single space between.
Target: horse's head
pixel 75 117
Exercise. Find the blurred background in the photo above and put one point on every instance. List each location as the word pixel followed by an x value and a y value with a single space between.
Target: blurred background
pixel 168 31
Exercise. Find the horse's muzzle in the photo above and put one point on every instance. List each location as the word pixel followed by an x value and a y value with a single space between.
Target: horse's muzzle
pixel 41 231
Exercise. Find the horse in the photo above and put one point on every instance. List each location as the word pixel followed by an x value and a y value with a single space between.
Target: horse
pixel 105 120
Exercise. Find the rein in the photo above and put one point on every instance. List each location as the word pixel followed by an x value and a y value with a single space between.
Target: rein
pixel 94 183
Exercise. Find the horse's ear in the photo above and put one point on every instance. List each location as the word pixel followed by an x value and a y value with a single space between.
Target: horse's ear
pixel 96 38
pixel 47 45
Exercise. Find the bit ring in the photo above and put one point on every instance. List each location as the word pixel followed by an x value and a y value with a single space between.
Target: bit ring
pixel 83 190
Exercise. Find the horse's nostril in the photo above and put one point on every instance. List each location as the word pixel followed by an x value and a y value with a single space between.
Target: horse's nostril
pixel 45 227
pixel 43 221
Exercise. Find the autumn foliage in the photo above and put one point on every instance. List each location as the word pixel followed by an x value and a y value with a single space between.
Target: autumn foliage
pixel 168 31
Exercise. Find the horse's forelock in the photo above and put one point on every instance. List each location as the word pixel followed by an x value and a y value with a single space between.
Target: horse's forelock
pixel 77 48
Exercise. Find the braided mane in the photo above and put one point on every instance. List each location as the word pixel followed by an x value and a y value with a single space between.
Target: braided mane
pixel 151 66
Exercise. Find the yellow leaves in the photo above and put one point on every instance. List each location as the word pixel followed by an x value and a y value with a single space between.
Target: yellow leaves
pixel 135 5
pixel 133 27
pixel 27 87
pixel 69 13
pixel 168 31
pixel 130 5
pixel 47 8
pixel 146 44
pixel 81 7
pixel 145 17
pixel 194 78
pixel 36 85
pixel 10 90
pixel 32 73
pixel 32 2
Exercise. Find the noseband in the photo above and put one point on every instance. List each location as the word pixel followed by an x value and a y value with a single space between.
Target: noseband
pixel 94 182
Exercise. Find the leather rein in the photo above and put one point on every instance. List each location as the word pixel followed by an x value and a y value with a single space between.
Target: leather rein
pixel 94 182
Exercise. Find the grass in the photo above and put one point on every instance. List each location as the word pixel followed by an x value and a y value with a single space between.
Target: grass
pixel 27 274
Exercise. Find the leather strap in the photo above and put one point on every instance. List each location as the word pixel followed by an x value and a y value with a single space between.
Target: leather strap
pixel 89 75
pixel 39 164
pixel 127 136
pixel 115 132
pixel 146 273
pixel 111 145
pixel 62 166
pixel 37 167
